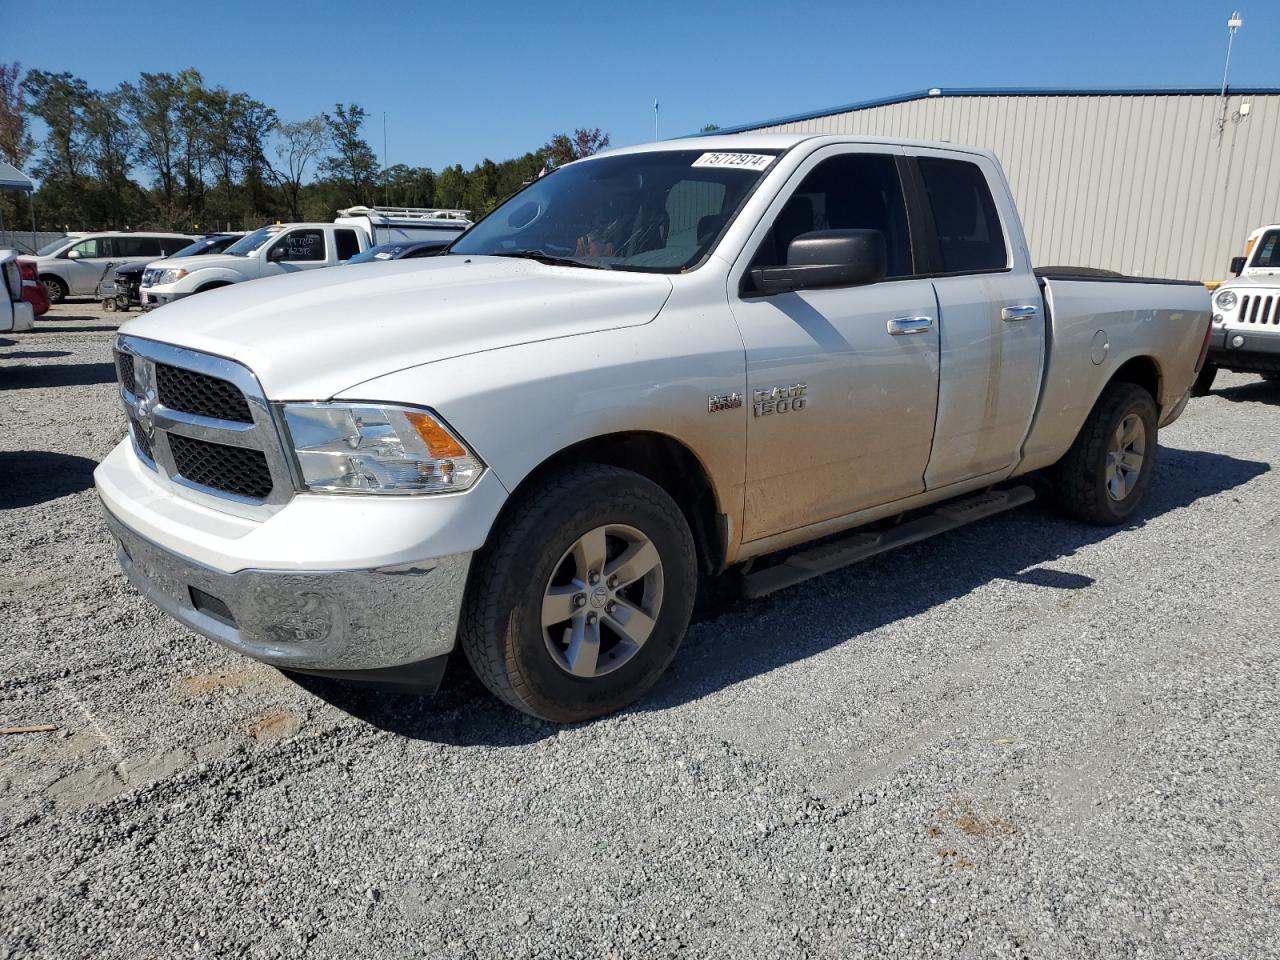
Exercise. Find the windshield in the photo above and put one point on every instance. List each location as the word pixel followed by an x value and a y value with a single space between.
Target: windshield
pixel 53 247
pixel 202 246
pixel 657 212
pixel 1268 255
pixel 383 251
pixel 247 245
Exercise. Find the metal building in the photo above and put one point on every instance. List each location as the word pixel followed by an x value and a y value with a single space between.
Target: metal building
pixel 1148 182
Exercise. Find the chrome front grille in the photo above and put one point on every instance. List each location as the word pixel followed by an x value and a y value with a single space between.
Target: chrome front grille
pixel 203 423
pixel 1260 309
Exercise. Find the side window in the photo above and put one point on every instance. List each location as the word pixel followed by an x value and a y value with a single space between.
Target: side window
pixel 852 190
pixel 137 247
pixel 1268 251
pixel 301 246
pixel 347 244
pixel 969 235
pixel 92 247
pixel 171 245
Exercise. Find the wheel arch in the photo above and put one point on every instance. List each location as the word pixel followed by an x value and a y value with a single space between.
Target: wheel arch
pixel 1142 370
pixel 660 458
pixel 213 285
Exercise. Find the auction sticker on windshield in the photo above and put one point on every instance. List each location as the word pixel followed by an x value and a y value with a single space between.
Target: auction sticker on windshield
pixel 744 161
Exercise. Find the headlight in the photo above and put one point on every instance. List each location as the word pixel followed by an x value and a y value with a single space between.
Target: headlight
pixel 373 448
pixel 1226 299
pixel 172 275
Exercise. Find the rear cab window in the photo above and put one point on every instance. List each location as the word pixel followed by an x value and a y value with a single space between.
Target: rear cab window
pixel 348 245
pixel 969 233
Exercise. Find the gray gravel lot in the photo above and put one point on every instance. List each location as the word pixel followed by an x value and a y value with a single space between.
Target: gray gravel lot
pixel 1025 739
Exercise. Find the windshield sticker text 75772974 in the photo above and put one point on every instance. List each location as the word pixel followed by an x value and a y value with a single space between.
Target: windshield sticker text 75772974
pixel 742 161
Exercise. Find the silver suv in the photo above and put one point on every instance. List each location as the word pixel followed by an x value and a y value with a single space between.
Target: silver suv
pixel 72 266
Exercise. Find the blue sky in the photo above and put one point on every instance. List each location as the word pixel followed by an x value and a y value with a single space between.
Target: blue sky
pixel 461 82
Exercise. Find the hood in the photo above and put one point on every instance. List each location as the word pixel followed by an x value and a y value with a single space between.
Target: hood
pixel 201 261
pixel 311 335
pixel 1249 281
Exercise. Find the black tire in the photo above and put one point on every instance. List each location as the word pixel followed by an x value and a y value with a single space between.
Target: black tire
pixel 1204 381
pixel 55 287
pixel 1079 480
pixel 501 629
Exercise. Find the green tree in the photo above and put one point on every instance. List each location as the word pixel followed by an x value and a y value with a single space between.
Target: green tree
pixel 354 165
pixel 565 148
pixel 298 144
pixel 16 143
pixel 161 109
pixel 709 128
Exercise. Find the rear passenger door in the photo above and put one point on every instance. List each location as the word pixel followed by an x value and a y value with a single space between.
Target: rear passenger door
pixel 991 316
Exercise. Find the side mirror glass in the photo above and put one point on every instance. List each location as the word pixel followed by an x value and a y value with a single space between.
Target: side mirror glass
pixel 73 254
pixel 827 258
pixel 1237 265
pixel 276 253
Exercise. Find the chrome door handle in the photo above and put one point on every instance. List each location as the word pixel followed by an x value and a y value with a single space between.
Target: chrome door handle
pixel 1025 312
pixel 907 325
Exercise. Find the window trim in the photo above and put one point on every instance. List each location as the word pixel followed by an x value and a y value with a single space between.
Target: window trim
pixel 910 201
pixel 931 246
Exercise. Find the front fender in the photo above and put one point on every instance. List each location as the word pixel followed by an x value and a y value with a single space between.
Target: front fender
pixel 199 278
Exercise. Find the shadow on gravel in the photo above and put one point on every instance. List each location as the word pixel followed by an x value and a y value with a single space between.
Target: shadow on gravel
pixel 33 354
pixel 462 714
pixel 1260 391
pixel 95 329
pixel 732 639
pixel 37 476
pixel 25 377
pixel 5 342
pixel 823 613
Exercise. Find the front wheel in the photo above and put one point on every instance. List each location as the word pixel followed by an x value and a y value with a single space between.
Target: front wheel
pixel 1105 474
pixel 56 288
pixel 582 597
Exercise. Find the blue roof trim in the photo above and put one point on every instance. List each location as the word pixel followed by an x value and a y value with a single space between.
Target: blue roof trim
pixel 999 92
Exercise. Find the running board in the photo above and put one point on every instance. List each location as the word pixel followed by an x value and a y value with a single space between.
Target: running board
pixel 860 546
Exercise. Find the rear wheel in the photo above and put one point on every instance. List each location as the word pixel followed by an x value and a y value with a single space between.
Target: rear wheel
pixel 55 287
pixel 1104 476
pixel 1204 381
pixel 583 596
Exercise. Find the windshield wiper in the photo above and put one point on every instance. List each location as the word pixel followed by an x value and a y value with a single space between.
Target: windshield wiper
pixel 550 258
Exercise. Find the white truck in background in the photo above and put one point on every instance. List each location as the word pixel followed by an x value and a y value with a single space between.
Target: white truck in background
pixel 292 247
pixel 661 363
pixel 16 314
pixel 1246 313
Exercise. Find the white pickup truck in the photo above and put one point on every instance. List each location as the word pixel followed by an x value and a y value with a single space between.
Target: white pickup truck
pixel 16 315
pixel 661 363
pixel 1246 313
pixel 292 247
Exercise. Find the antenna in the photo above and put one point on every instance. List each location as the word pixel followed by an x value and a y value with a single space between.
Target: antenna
pixel 1234 24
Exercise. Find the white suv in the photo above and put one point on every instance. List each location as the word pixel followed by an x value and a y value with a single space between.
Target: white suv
pixel 72 266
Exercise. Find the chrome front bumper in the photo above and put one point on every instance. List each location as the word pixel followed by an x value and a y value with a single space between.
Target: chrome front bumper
pixel 332 621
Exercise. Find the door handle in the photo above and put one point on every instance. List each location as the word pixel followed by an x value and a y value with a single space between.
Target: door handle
pixel 903 326
pixel 1024 312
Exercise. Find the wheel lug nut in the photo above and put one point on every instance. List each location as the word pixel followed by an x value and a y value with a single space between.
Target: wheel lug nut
pixel 613 582
pixel 591 618
pixel 593 577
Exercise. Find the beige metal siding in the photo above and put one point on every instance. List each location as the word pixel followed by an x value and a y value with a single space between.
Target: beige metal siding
pixel 1136 183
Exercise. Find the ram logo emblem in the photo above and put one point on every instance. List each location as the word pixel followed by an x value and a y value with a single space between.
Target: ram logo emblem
pixel 788 399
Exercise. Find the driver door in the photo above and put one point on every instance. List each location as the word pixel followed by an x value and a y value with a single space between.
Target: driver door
pixel 84 270
pixel 842 382
pixel 296 250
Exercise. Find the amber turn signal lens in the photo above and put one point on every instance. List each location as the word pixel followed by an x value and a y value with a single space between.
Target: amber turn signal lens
pixel 436 437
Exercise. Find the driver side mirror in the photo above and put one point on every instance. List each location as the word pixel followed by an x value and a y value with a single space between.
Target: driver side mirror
pixel 276 253
pixel 1237 265
pixel 73 254
pixel 826 258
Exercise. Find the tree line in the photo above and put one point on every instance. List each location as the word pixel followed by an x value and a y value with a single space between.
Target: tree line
pixel 170 152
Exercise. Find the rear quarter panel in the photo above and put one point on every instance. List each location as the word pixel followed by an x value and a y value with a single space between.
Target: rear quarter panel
pixel 1096 326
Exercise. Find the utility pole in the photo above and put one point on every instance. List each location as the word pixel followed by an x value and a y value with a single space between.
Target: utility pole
pixel 655 118
pixel 385 185
pixel 1234 24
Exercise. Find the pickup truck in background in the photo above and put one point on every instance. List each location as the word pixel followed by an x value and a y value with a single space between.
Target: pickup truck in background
pixel 16 313
pixel 292 247
pixel 761 356
pixel 1246 313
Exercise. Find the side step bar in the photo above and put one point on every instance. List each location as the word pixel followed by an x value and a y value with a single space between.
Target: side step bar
pixel 860 546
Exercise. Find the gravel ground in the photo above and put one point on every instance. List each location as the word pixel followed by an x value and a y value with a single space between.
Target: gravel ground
pixel 1024 739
